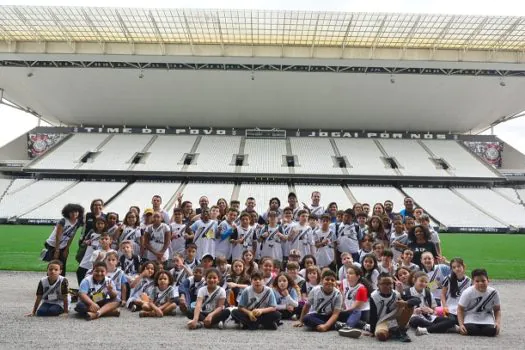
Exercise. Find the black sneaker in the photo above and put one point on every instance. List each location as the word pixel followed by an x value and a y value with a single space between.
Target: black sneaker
pixel 274 326
pixel 338 325
pixel 350 332
pixel 403 338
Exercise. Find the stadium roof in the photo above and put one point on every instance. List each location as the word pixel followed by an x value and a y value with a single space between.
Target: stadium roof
pixel 249 68
pixel 260 27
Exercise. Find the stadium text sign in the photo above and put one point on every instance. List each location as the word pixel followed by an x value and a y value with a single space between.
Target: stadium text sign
pixel 240 132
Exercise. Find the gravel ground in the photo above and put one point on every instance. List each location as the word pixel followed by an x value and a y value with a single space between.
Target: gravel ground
pixel 17 291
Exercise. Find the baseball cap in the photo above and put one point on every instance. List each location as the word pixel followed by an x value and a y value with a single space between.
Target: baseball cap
pixel 148 211
pixel 207 255
pixel 295 252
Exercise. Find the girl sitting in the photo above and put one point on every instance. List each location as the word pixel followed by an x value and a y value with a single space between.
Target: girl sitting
pixel 356 291
pixel 370 271
pixel 143 283
pixel 453 286
pixel 209 309
pixel 286 296
pixel 423 318
pixel 160 301
pixel 236 281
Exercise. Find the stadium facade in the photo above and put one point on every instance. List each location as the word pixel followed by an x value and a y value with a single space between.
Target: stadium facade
pixel 362 106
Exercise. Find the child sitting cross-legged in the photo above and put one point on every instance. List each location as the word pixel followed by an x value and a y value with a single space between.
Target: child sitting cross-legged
pixel 98 295
pixel 209 309
pixel 257 306
pixel 160 301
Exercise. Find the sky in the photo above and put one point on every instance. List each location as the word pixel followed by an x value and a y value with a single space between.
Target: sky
pixel 511 132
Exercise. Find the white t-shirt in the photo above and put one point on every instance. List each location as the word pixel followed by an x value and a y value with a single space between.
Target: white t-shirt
pixel 210 299
pixel 178 243
pixel 479 307
pixel 156 240
pixel 324 304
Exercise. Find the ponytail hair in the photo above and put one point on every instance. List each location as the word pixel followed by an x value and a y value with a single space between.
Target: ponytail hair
pixel 454 288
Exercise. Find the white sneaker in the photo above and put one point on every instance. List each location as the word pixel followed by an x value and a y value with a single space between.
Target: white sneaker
pixel 294 317
pixel 220 325
pixel 367 328
pixel 421 331
pixel 457 329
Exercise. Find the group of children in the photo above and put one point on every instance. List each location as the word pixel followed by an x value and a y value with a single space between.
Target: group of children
pixel 341 271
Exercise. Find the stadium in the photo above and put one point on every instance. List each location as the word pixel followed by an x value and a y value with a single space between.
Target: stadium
pixel 362 107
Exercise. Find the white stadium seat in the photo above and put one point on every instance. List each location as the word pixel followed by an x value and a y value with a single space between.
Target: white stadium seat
pixel 215 154
pixel 166 153
pixel 81 193
pixel 412 159
pixel 462 162
pixel 314 155
pixel 265 156
pixel 450 209
pixel 378 194
pixel 329 193
pixel 31 195
pixel 262 192
pixel 67 155
pixel 140 193
pixel 117 153
pixel 494 204
pixel 194 190
pixel 364 157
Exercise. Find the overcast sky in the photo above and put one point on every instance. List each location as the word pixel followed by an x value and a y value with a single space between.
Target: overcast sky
pixel 511 132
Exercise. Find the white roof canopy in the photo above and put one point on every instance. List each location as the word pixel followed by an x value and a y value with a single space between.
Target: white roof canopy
pixel 261 27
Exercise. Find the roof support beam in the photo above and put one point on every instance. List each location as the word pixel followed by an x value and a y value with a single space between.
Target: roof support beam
pixel 220 33
pixel 188 31
pixel 314 36
pixel 345 37
pixel 63 29
pixel 24 20
pixel 441 36
pixel 378 35
pixel 157 32
pixel 93 28
pixel 505 35
pixel 479 28
pixel 126 32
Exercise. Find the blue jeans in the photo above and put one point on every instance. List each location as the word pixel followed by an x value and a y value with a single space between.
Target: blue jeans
pixel 355 317
pixel 48 309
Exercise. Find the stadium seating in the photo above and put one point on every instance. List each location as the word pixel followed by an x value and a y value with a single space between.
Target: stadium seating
pixel 215 154
pixel 364 157
pixel 378 194
pixel 262 193
pixel 194 190
pixel 329 193
pixel 139 193
pixel 496 205
pixel 509 193
pixel 265 156
pixel 451 210
pixel 117 153
pixel 314 155
pixel 81 193
pixel 67 154
pixel 412 159
pixel 26 195
pixel 166 153
pixel 462 162
pixel 4 184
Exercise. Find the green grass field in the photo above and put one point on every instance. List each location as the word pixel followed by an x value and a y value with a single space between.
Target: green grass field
pixel 502 255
